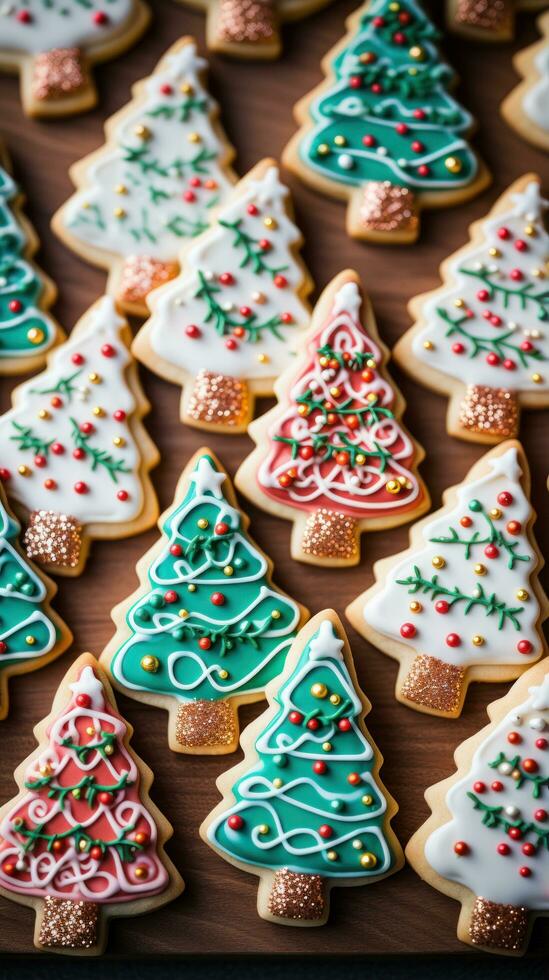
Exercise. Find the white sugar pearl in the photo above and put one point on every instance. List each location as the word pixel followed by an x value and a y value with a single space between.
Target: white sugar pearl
pixel 208 275
pixel 20 865
pixel 328 374
pixel 537 724
pixel 512 812
pixel 382 151
pixel 228 307
pixel 402 162
pixel 345 161
pixel 355 480
pixel 505 768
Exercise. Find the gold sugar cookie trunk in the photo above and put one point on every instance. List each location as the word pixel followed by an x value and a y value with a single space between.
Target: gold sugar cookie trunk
pixel 206 724
pixel 497 926
pixel 385 208
pixel 217 399
pixel 66 924
pixel 330 534
pixel 297 896
pixel 59 73
pixel 53 539
pixel 490 412
pixel 140 274
pixel 431 683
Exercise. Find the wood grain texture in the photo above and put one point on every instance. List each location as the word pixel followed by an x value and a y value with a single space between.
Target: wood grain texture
pixel 217 912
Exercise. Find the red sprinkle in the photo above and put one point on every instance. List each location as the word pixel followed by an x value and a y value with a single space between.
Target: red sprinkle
pixel 193 331
pixel 408 631
pixel 123 495
pixel 235 822
pixel 119 415
pixel 108 350
pixel 453 640
pixel 524 646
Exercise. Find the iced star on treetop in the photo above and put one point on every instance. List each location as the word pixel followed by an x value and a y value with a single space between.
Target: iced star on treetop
pixel 530 203
pixel 540 695
pixel 89 684
pixel 207 479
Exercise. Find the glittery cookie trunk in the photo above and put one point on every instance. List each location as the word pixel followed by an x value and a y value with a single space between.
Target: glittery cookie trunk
pixel 65 924
pixel 201 724
pixel 496 926
pixel 386 209
pixel 492 412
pixel 250 22
pixel 217 400
pixel 431 683
pixel 296 896
pixel 53 539
pixel 491 15
pixel 140 274
pixel 330 534
pixel 58 74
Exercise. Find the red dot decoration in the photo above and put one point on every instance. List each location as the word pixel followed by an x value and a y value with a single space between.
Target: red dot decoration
pixel 514 738
pixel 515 833
pixel 497 786
pixel 408 631
pixel 491 551
pixel 461 848
pixel 514 527
pixel 193 331
pixel 176 550
pixel 504 233
pixel 204 643
pixel 123 495
pixel 540 815
pixel 3 646
pixel 479 787
pixel 320 768
pixel 453 640
pixel 505 498
pixel 83 700
pixel 525 872
pixel 221 528
pixel 541 743
pixel 530 765
pixel 313 724
pixel 235 822
pixel 171 596
pixel 504 849
pixel 524 646
pixel 77 359
pixel 119 415
pixel 108 350
pixel 81 487
pixel 353 778
pixel 295 717
pixel 217 599
pixel 4 474
pixel 442 606
pixel 344 725
pixel 325 830
pixel 57 448
pixel 529 849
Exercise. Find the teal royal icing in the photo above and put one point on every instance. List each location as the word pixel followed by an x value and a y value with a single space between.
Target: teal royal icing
pixel 249 634
pixel 281 823
pixel 379 87
pixel 22 593
pixel 20 285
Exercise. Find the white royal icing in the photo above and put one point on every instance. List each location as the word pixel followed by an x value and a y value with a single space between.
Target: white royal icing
pixel 62 24
pixel 521 324
pixel 343 332
pixel 536 98
pixel 389 608
pixel 157 221
pixel 487 873
pixel 102 326
pixel 214 253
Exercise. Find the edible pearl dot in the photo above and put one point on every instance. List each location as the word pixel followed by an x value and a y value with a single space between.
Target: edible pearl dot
pixel 340 140
pixel 335 699
pixel 121 189
pixel 415 606
pixel 263 358
pixel 223 674
pixel 263 828
pixel 23 470
pixel 367 800
pixel 43 414
pixel 428 344
pixel 327 746
pixel 319 690
pixel 183 613
pixel 478 640
pixel 90 730
pixel 459 303
pixel 494 252
pixel 357 844
pixel 537 378
pixel 495 513
pixel 277 782
pixel 228 570
pixel 522 595
pixel 94 378
pixel 30 640
pixel 270 222
pixel 479 569
pixel 118 441
pixel 368 860
pixel 202 523
pixel 275 614
pixel 438 561
pixel 332 855
pixel 98 411
pixel 191 587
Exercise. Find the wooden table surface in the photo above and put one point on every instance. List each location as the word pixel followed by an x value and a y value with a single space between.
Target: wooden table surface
pixel 217 912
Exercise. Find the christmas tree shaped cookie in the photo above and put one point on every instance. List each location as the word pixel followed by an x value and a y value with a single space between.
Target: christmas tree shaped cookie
pixel 75 456
pixel 463 603
pixel 482 337
pixel 382 131
pixel 31 634
pixel 52 45
pixel 153 185
pixel 486 843
pixel 333 456
pixel 82 842
pixel 250 28
pixel 487 20
pixel 233 318
pixel 206 630
pixel 306 810
pixel 27 331
pixel 526 109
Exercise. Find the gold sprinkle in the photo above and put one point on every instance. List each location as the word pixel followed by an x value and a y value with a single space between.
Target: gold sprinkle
pixel 417 52
pixel 202 523
pixel 319 690
pixel 30 640
pixel 24 470
pixel 523 595
pixel 327 746
pixel 367 799
pixel 438 561
pixel 331 855
pixel 498 926
pixel 94 378
pixel 537 378
pixel 340 140
pixel 121 189
pixel 479 569
pixel 143 132
pixel 393 486
pixel 119 213
pixel 415 606
pixel 90 730
pixel 459 303
pixel 323 149
pixel 335 699
pixel 263 828
pixel 428 344
pixel 330 534
pixel 43 414
pixel 478 640
pixel 277 782
pixel 223 674
pixel 35 335
pixel 297 896
pixel 494 253
pixel 228 570
pixel 205 723
pixel 98 411
pixel 191 587
pixel 150 663
pixel 186 89
pixel 194 138
pixel 530 231
pixel 275 614
pixel 270 222
pixel 263 358
pixel 118 441
pixel 368 860
pixel 495 513
pixel 183 613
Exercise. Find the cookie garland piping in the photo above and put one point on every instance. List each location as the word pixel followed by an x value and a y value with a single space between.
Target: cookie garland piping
pixel 231 321
pixel 60 39
pixel 497 841
pixel 26 330
pixel 310 806
pixel 208 627
pixel 80 835
pixel 384 125
pixel 73 458
pixel 336 453
pixel 487 327
pixel 154 184
pixel 464 595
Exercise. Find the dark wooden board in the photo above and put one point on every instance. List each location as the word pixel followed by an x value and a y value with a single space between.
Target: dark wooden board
pixel 217 912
